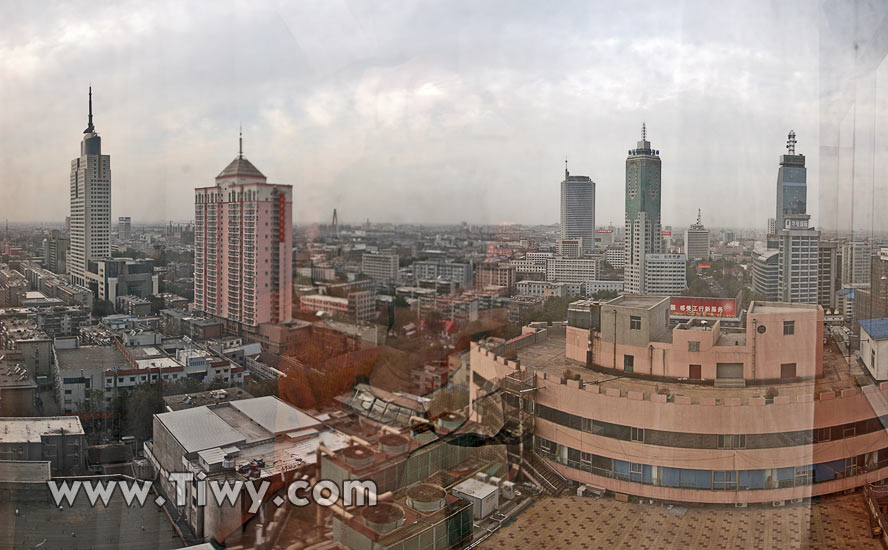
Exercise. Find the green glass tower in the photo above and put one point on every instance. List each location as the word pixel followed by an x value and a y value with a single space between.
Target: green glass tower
pixel 643 228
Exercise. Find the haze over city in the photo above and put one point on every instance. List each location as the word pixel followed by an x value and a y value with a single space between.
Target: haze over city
pixel 424 113
pixel 443 275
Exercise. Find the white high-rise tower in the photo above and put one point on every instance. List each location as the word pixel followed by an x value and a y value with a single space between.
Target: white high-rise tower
pixel 90 237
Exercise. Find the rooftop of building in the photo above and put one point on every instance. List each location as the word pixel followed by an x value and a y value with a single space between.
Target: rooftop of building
pixel 638 301
pixel 574 523
pixel 199 428
pixel 90 358
pixel 411 521
pixel 240 166
pixel 134 299
pixel 548 355
pixel 28 429
pixel 779 307
pixel 28 521
pixel 158 363
pixel 145 352
pixel 266 428
pixel 876 328
pixel 325 298
pixel 18 328
pixel 200 399
pixel 14 376
pixel 33 471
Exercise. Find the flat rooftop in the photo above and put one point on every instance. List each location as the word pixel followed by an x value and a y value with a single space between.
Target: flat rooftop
pixel 274 415
pixel 778 307
pixel 13 375
pixel 637 301
pixel 549 356
pixel 198 429
pixel 93 359
pixel 29 521
pixel 28 429
pixel 145 352
pixel 263 427
pixel 25 470
pixel 579 523
pixel 158 362
pixel 199 399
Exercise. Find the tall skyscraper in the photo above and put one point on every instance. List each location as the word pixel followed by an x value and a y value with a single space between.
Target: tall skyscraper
pixel 697 241
pixel 643 228
pixel 124 228
pixel 578 209
pixel 792 186
pixel 798 276
pixel 856 263
pixel 90 234
pixel 764 273
pixel 243 247
pixel 55 251
pixel 798 245
pixel 828 274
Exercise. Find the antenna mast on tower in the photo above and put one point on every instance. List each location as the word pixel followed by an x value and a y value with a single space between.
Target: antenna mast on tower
pixel 791 142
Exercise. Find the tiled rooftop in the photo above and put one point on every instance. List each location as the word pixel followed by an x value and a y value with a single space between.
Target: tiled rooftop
pixel 580 523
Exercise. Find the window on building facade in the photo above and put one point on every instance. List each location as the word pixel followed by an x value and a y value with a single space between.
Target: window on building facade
pixel 788 328
pixel 634 322
pixel 732 441
pixel 693 346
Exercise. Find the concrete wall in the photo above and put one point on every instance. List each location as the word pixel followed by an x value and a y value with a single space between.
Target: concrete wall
pixel 37 356
pixel 17 401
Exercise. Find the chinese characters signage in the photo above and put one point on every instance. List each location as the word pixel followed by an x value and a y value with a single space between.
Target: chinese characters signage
pixel 682 306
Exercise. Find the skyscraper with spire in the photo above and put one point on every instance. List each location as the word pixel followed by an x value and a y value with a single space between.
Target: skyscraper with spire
pixel 792 184
pixel 643 226
pixel 243 247
pixel 798 244
pixel 90 185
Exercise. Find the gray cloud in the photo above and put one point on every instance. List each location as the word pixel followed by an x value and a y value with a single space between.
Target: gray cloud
pixel 433 111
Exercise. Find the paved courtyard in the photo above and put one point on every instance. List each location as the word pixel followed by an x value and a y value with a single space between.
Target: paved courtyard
pixel 580 523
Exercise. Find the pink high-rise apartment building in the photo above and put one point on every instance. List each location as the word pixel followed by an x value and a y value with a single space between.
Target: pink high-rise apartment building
pixel 243 247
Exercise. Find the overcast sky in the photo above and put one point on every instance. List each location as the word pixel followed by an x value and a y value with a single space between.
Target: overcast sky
pixel 410 112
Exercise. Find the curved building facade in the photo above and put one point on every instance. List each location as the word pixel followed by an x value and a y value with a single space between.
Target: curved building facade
pixel 770 418
pixel 578 210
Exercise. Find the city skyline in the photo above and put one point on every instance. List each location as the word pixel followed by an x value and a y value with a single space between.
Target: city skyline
pixel 329 125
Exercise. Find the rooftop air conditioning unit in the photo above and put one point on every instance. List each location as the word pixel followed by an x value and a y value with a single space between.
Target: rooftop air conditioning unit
pixel 798 500
pixel 777 503
pixel 740 505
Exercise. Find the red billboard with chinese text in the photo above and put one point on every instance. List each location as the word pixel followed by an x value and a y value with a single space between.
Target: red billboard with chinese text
pixel 686 306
